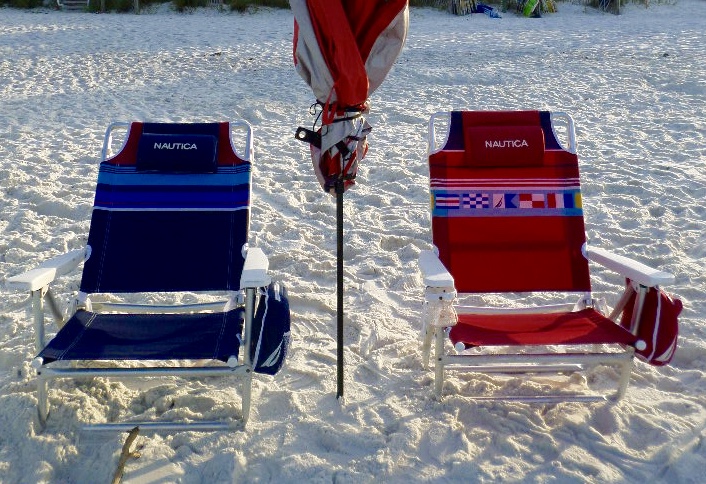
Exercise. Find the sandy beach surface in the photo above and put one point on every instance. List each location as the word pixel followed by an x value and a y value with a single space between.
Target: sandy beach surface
pixel 636 87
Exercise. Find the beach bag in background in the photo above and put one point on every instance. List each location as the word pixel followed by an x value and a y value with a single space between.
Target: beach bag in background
pixel 658 326
pixel 271 330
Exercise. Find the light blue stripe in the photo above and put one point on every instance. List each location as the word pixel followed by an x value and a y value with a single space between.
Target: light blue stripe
pixel 507 212
pixel 458 192
pixel 244 167
pixel 178 179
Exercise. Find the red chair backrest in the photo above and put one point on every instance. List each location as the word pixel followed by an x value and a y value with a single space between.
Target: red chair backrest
pixel 506 205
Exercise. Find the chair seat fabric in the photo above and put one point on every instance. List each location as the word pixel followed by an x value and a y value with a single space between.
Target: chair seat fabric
pixel 580 327
pixel 92 336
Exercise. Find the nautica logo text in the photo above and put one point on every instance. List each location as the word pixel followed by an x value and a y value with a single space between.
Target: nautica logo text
pixel 175 146
pixel 508 143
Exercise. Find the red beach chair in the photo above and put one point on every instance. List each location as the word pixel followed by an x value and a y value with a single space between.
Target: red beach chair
pixel 507 219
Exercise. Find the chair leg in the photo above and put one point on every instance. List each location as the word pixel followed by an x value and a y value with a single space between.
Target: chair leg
pixel 38 318
pixel 426 346
pixel 250 294
pixel 626 371
pixel 42 400
pixel 247 396
pixel 438 360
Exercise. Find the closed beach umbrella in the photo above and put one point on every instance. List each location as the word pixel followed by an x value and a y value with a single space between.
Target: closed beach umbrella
pixel 344 49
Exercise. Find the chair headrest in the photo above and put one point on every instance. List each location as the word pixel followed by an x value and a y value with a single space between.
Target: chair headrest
pixel 503 146
pixel 169 153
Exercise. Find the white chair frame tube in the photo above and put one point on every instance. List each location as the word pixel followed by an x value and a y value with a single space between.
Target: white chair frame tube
pixel 38 318
pixel 526 361
pixel 167 309
pixel 147 427
pixel 141 372
pixel 553 308
pixel 108 138
pixel 250 294
pixel 548 398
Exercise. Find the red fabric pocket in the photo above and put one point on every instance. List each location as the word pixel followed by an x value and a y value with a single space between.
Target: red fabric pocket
pixel 658 326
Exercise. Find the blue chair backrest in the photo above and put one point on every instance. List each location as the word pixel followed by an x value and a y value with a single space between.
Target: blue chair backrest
pixel 171 212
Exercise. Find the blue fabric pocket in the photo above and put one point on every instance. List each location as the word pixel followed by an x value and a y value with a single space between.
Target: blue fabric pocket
pixel 271 334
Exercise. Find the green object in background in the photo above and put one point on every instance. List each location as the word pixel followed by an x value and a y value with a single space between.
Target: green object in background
pixel 530 5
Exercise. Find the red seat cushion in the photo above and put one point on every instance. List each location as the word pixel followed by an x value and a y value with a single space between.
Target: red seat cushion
pixel 580 327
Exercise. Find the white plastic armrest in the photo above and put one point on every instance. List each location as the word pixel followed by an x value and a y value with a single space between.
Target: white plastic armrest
pixel 46 272
pixel 636 271
pixel 255 269
pixel 433 271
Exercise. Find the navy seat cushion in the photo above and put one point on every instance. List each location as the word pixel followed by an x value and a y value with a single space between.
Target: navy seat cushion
pixel 92 336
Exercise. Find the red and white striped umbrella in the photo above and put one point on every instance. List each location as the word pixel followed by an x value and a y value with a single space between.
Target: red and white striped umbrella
pixel 344 49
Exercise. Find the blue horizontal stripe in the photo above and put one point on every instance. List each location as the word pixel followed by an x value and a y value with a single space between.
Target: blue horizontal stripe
pixel 243 188
pixel 109 177
pixel 109 166
pixel 124 187
pixel 507 212
pixel 171 197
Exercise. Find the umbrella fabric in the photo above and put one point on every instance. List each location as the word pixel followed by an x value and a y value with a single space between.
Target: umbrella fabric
pixel 344 49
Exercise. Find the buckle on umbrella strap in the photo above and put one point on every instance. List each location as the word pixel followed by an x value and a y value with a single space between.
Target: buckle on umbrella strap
pixel 308 136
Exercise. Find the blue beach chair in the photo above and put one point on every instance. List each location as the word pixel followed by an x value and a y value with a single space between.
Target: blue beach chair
pixel 170 217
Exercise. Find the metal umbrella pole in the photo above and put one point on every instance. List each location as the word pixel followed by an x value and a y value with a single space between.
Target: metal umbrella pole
pixel 314 139
pixel 339 287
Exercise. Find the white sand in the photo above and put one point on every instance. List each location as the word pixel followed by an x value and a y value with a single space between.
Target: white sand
pixel 636 86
